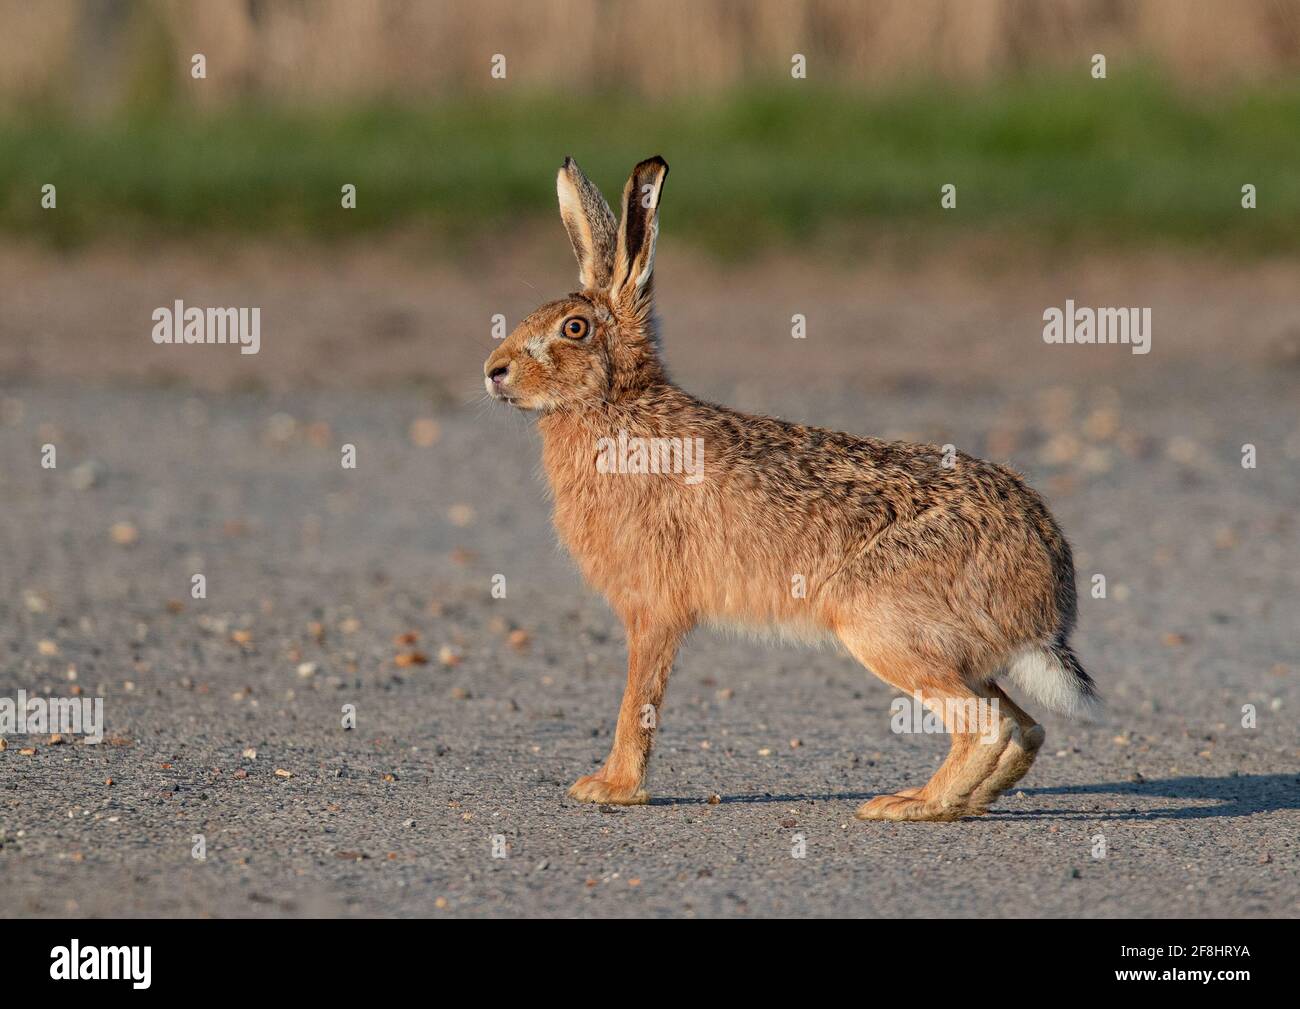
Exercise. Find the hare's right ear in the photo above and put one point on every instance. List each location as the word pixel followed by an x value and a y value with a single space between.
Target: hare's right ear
pixel 590 224
pixel 634 257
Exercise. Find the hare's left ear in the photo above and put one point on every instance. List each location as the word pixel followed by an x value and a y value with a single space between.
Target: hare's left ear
pixel 590 224
pixel 634 257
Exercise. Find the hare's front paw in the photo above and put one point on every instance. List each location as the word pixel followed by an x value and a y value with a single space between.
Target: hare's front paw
pixel 598 788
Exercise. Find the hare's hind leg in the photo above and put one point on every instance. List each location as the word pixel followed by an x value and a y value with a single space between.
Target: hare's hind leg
pixel 651 649
pixel 1013 763
pixel 979 735
pixel 1016 759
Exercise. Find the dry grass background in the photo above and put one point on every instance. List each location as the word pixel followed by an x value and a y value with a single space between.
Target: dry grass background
pixel 97 53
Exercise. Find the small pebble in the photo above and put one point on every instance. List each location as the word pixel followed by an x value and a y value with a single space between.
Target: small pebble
pixel 424 432
pixel 124 534
pixel 461 515
pixel 86 475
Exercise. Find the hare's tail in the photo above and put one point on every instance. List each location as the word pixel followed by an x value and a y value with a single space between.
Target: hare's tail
pixel 1052 674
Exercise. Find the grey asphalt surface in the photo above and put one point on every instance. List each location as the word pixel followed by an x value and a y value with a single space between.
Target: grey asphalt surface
pixel 1199 815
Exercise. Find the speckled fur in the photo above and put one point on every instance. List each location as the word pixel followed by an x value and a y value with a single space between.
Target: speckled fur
pixel 935 577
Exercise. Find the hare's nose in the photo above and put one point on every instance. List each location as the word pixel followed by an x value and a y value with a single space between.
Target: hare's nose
pixel 498 375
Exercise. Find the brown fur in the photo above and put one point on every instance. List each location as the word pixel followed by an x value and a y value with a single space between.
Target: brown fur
pixel 933 576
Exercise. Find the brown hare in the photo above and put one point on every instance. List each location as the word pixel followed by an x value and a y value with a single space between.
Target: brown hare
pixel 941 574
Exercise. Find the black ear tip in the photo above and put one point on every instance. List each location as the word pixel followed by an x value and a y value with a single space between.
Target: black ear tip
pixel 652 164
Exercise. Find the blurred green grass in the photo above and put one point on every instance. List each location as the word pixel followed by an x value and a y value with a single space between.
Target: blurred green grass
pixel 1120 161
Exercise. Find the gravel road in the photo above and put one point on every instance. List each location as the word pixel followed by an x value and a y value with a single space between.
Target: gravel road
pixel 313 574
pixel 372 587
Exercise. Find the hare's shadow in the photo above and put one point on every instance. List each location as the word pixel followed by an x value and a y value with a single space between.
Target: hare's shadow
pixel 1236 795
pixel 1240 795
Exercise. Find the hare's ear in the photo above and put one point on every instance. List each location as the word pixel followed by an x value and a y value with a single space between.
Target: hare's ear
pixel 590 224
pixel 634 258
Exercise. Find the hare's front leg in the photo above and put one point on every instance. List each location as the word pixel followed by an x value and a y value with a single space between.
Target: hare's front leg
pixel 651 648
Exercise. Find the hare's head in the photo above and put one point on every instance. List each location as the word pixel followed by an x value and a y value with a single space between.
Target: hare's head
pixel 596 345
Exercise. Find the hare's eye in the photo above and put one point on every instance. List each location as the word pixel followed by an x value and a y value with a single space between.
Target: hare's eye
pixel 575 328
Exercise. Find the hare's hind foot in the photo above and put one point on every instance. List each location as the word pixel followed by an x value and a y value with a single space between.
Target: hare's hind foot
pixel 1016 758
pixel 1014 764
pixel 951 793
pixel 908 807
pixel 596 788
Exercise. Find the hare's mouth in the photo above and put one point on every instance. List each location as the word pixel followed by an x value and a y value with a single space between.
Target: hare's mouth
pixel 496 391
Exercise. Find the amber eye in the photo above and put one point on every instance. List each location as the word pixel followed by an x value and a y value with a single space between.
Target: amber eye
pixel 575 328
